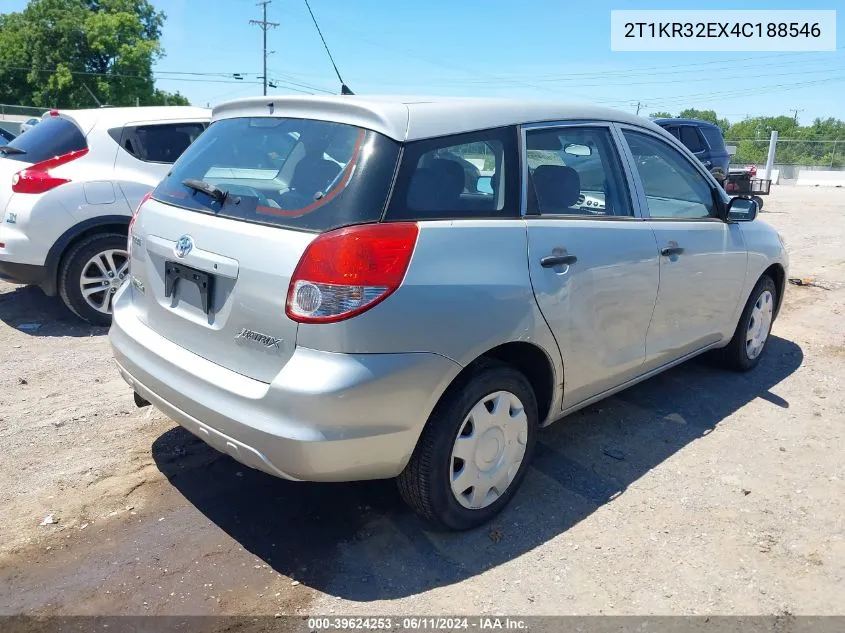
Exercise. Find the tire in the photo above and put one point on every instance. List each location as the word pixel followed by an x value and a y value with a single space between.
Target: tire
pixel 78 261
pixel 736 355
pixel 426 484
pixel 759 202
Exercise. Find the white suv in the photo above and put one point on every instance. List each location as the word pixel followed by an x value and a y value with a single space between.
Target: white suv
pixel 68 188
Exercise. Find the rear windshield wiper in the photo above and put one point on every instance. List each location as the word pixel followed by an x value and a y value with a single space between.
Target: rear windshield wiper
pixel 12 150
pixel 218 195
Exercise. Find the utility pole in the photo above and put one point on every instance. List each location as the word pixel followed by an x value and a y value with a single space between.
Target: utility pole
pixel 639 106
pixel 265 25
pixel 795 118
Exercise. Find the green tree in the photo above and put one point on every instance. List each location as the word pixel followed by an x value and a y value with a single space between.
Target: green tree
pixel 705 115
pixel 56 53
pixel 661 115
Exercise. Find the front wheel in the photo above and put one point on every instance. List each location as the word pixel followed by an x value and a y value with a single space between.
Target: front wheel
pixel 474 451
pixel 752 331
pixel 90 275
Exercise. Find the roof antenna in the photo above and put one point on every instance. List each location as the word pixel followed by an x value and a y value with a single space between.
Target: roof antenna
pixel 344 89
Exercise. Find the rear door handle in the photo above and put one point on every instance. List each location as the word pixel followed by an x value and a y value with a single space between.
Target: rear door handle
pixel 671 250
pixel 550 261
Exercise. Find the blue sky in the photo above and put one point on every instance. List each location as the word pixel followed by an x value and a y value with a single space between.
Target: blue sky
pixel 541 49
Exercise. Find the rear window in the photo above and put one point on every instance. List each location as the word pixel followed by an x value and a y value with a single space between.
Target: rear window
pixel 714 138
pixel 53 136
pixel 295 173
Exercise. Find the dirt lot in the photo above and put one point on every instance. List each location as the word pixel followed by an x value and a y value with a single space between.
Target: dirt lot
pixel 729 496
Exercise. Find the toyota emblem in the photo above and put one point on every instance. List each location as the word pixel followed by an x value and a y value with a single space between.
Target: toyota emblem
pixel 184 245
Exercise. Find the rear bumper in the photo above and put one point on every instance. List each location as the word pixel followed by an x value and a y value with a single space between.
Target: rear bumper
pixel 29 274
pixel 325 417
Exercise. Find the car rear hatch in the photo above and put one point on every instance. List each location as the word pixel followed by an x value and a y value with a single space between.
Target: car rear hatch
pixel 8 169
pixel 212 259
pixel 56 140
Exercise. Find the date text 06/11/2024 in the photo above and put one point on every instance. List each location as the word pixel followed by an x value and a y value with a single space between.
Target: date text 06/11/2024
pixel 422 623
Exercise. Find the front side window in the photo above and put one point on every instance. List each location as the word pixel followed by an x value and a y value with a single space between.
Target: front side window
pixel 471 175
pixel 674 188
pixel 158 143
pixel 575 171
pixel 690 138
pixel 295 173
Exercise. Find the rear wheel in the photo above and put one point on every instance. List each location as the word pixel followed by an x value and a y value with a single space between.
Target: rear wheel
pixel 474 451
pixel 752 331
pixel 90 275
pixel 759 202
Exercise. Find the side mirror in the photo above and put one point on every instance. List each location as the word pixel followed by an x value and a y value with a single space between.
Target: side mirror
pixel 742 210
pixel 484 184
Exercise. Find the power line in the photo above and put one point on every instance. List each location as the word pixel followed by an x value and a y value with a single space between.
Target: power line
pixel 650 70
pixel 293 82
pixel 451 66
pixel 741 92
pixel 124 76
pixel 265 26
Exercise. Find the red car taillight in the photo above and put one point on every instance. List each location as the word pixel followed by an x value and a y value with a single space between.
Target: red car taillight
pixel 345 272
pixel 38 179
pixel 146 197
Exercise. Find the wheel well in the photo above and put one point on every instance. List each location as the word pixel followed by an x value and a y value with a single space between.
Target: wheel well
pixel 534 364
pixel 111 227
pixel 778 275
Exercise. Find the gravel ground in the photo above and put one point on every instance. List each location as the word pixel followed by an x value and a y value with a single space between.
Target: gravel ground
pixel 698 491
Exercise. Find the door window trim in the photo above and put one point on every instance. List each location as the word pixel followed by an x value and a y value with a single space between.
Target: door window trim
pixel 118 134
pixel 623 162
pixel 685 153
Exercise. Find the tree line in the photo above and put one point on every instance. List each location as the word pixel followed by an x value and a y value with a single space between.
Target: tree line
pixel 820 143
pixel 81 53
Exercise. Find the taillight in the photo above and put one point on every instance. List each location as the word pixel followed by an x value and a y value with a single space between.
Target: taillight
pixel 348 271
pixel 146 197
pixel 38 179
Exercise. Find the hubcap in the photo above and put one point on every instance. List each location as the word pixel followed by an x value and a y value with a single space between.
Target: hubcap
pixel 101 276
pixel 488 450
pixel 759 324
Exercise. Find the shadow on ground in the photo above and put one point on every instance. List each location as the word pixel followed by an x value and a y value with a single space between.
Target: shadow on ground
pixel 358 541
pixel 29 310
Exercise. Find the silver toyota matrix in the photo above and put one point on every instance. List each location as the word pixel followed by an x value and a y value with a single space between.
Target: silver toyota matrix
pixel 347 288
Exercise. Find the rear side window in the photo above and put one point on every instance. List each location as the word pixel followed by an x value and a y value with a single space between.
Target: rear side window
pixel 53 136
pixel 714 138
pixel 157 143
pixel 691 138
pixel 471 175
pixel 295 173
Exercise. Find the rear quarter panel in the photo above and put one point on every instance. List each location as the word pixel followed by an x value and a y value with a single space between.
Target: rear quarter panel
pixel 467 290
